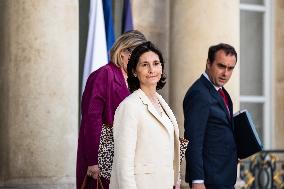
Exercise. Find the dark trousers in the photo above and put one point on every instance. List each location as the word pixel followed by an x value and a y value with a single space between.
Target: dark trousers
pixel 211 186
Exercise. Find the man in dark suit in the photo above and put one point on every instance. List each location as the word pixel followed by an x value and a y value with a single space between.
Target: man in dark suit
pixel 211 158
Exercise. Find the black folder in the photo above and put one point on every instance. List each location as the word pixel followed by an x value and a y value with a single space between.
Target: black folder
pixel 247 140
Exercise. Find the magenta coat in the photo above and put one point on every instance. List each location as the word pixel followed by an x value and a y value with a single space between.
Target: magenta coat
pixel 105 89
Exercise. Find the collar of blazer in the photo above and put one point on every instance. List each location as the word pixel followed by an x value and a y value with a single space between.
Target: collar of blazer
pixel 216 95
pixel 118 75
pixel 154 112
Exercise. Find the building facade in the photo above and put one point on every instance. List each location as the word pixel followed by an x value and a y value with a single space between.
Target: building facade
pixel 42 49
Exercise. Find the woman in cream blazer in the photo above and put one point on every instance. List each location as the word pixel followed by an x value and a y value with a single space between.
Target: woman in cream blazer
pixel 146 135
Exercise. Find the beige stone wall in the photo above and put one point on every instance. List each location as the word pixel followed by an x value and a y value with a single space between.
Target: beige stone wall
pixel 39 92
pixel 279 74
pixel 153 19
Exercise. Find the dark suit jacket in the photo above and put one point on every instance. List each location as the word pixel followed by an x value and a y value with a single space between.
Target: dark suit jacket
pixel 211 155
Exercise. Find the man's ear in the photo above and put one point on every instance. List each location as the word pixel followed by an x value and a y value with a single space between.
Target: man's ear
pixel 208 63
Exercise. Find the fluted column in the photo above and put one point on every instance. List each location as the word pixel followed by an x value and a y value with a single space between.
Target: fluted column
pixel 153 19
pixel 196 25
pixel 39 93
pixel 279 75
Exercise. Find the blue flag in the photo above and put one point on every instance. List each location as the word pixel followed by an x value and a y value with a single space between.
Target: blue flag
pixel 127 23
pixel 110 38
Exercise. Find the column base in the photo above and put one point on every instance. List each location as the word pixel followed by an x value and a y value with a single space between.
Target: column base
pixel 40 183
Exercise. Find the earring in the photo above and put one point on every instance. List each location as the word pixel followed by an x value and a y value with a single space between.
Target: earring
pixel 135 75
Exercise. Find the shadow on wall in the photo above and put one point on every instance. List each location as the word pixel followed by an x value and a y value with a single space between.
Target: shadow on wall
pixel 4 91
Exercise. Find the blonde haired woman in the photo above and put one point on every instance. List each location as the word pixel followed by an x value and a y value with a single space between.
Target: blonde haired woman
pixel 105 89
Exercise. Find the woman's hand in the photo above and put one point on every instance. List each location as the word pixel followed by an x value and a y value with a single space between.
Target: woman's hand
pixel 198 186
pixel 93 171
pixel 177 186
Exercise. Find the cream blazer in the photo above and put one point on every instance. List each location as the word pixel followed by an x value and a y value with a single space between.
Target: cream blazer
pixel 143 158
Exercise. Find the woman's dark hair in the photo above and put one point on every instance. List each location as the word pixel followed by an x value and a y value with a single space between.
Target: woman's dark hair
pixel 133 82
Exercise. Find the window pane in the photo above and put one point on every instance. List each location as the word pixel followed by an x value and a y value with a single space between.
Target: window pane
pixel 256 111
pixel 251 51
pixel 258 2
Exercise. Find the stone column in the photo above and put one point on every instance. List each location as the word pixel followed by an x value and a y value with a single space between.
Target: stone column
pixel 196 25
pixel 39 93
pixel 153 19
pixel 279 75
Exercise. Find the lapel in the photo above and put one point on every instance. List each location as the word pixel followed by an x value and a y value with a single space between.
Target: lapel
pixel 152 110
pixel 172 117
pixel 170 114
pixel 216 95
